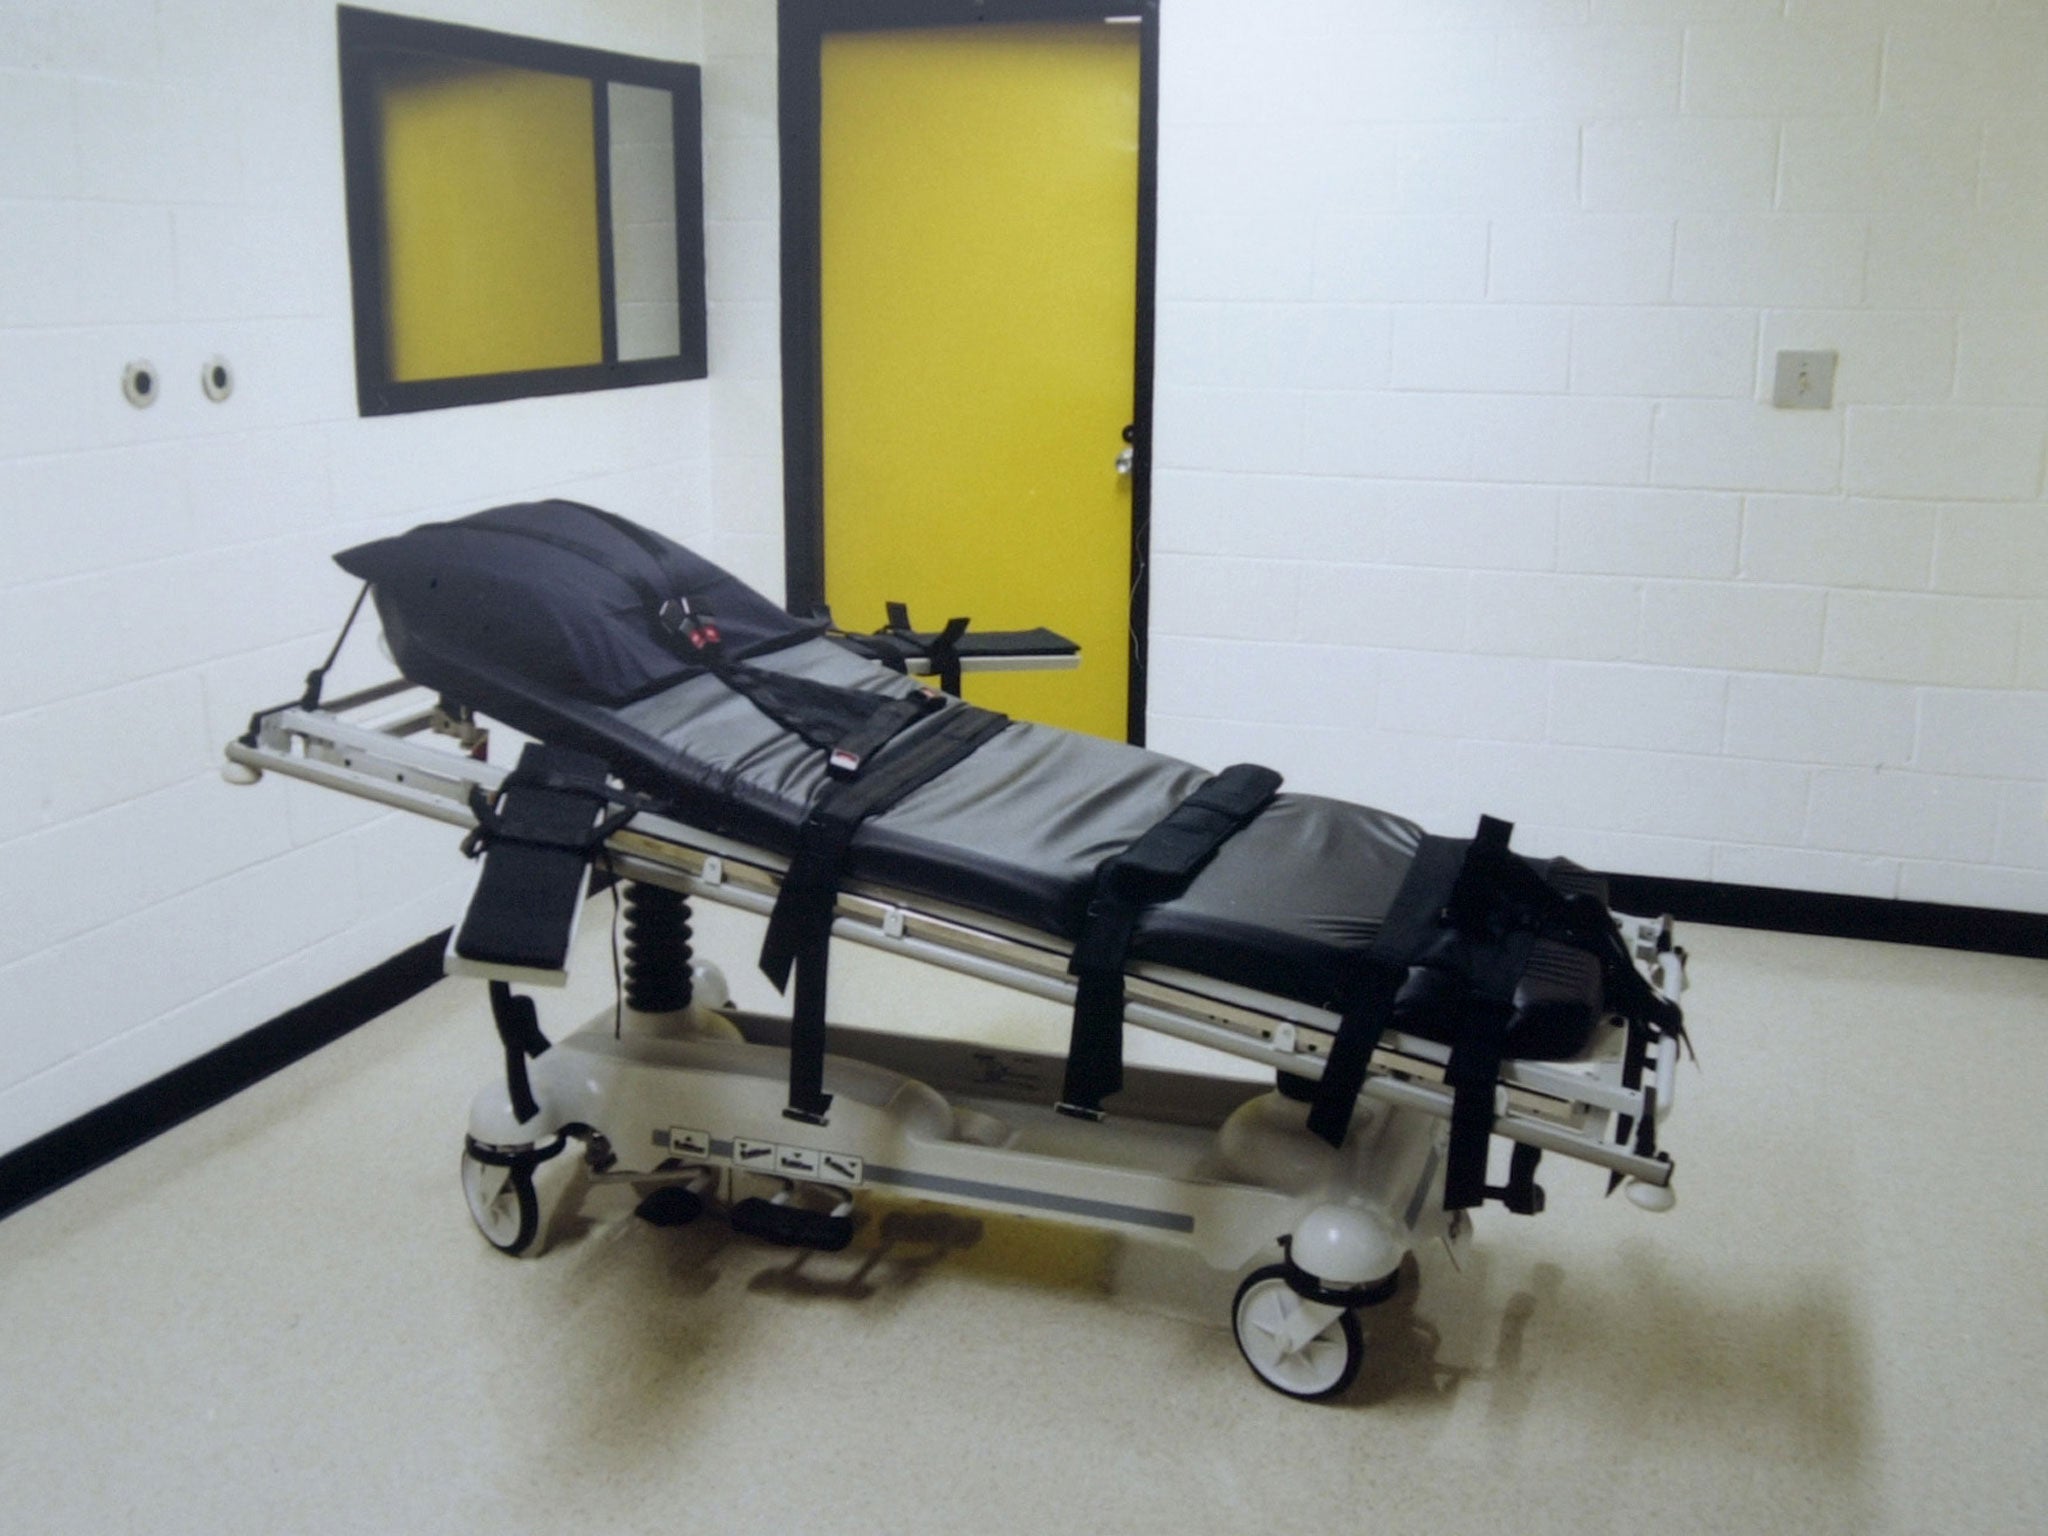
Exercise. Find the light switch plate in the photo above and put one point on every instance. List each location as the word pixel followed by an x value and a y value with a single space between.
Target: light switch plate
pixel 1805 382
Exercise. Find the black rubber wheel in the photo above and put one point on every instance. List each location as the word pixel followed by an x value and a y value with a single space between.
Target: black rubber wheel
pixel 1321 1368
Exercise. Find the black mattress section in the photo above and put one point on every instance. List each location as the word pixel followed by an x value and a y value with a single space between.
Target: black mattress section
pixel 563 595
pixel 545 639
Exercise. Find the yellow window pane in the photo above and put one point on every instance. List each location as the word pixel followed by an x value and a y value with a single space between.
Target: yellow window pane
pixel 490 219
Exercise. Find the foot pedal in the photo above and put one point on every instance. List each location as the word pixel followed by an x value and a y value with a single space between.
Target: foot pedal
pixel 675 1206
pixel 791 1225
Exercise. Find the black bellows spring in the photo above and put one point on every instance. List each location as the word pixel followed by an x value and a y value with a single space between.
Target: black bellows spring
pixel 657 949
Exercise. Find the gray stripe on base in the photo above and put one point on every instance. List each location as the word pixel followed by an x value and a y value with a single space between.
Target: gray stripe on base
pixel 1039 1200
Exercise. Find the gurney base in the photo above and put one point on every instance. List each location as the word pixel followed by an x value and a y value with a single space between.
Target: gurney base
pixel 1222 1166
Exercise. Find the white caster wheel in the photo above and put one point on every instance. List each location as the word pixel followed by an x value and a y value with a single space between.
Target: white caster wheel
pixel 502 1199
pixel 1263 1319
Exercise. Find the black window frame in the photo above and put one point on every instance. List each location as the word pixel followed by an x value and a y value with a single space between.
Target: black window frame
pixel 362 35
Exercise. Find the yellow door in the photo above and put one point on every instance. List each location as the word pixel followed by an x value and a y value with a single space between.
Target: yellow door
pixel 979 225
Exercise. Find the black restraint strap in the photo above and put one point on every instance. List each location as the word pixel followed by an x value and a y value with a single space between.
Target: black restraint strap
pixel 1473 1074
pixel 1157 867
pixel 851 753
pixel 519 1031
pixel 550 813
pixel 1499 906
pixel 316 679
pixel 800 926
pixel 1413 921
pixel 1521 1194
pixel 941 651
pixel 1470 913
pixel 945 655
pixel 537 836
pixel 1456 942
pixel 849 724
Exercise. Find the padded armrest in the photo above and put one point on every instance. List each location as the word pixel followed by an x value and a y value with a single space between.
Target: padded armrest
pixel 522 914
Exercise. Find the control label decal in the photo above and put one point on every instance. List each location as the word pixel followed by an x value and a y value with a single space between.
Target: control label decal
pixel 797 1162
pixel 687 1143
pixel 782 1160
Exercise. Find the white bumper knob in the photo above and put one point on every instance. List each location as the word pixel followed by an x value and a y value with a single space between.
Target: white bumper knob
pixel 1344 1246
pixel 1650 1197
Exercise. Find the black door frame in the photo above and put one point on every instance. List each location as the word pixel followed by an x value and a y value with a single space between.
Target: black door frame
pixel 801 27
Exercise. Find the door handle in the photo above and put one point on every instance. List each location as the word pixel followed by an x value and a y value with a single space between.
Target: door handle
pixel 1129 456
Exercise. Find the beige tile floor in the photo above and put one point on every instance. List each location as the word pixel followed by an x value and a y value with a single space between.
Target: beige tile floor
pixel 278 1319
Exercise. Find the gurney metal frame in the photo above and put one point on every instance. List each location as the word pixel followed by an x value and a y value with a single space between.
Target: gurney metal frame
pixel 399 746
pixel 1563 1107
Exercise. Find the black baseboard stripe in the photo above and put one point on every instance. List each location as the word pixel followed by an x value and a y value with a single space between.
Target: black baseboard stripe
pixel 74 1150
pixel 1983 929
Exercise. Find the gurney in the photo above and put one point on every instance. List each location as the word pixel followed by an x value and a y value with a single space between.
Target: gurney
pixel 1416 1000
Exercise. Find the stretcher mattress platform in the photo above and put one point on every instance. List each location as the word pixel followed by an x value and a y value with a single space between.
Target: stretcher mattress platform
pixel 398 747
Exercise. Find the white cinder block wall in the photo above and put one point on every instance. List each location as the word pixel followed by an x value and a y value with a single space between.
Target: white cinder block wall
pixel 743 280
pixel 1467 497
pixel 170 189
pixel 1469 492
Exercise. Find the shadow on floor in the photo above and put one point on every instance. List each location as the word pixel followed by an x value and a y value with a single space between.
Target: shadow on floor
pixel 1402 1352
pixel 1766 1372
pixel 893 1252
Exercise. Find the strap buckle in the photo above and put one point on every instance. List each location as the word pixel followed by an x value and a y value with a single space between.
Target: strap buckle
pixel 679 618
pixel 843 763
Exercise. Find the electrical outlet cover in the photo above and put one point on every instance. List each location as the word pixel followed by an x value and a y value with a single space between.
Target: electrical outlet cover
pixel 1805 382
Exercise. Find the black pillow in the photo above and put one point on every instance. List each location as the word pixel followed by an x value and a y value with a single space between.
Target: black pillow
pixel 562 594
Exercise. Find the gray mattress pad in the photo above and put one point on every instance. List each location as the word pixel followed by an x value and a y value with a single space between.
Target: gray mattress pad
pixel 1019 828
